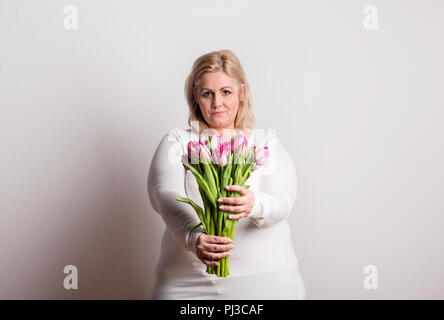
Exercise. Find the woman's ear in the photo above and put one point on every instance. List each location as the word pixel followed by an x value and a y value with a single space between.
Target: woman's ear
pixel 242 91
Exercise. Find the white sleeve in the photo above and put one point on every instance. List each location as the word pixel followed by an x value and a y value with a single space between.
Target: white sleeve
pixel 166 182
pixel 277 195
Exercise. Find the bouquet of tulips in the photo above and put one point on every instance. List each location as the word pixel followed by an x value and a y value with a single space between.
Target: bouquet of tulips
pixel 216 164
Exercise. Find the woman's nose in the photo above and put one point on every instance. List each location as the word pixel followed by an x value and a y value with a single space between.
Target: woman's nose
pixel 217 100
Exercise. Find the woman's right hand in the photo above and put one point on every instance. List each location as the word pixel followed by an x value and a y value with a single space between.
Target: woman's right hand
pixel 209 247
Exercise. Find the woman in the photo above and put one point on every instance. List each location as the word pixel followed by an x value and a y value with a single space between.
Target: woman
pixel 263 264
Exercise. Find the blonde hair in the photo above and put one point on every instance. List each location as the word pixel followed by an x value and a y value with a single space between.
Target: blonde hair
pixel 227 62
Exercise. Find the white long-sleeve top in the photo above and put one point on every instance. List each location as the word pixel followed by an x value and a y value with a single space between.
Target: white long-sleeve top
pixel 263 256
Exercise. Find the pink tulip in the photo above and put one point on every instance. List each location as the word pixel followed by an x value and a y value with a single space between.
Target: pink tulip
pixel 219 158
pixel 215 144
pixel 227 148
pixel 221 153
pixel 205 154
pixel 216 156
pixel 193 152
pixel 216 141
pixel 261 156
pixel 224 151
pixel 238 146
pixel 203 139
pixel 242 133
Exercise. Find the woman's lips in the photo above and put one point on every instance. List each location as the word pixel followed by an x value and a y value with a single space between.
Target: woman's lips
pixel 218 113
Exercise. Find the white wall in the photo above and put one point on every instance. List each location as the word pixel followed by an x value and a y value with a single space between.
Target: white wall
pixel 82 111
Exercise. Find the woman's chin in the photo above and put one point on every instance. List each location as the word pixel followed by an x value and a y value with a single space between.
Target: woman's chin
pixel 220 124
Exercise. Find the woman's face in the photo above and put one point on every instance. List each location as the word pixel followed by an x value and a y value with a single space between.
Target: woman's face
pixel 218 98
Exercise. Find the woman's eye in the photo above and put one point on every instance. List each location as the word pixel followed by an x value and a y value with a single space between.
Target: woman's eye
pixel 226 92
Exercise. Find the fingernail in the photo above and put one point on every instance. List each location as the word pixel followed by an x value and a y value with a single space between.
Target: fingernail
pixel 219 200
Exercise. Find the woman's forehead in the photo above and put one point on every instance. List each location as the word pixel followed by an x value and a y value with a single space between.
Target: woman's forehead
pixel 217 80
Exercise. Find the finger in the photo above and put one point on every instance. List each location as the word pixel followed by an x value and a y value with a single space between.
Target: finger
pixel 217 239
pixel 215 256
pixel 212 248
pixel 209 262
pixel 234 187
pixel 237 216
pixel 240 200
pixel 235 209
pixel 219 247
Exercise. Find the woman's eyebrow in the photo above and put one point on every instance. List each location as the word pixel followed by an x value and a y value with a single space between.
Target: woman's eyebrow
pixel 212 90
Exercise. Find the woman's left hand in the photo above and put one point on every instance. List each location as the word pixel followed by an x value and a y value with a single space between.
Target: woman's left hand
pixel 242 205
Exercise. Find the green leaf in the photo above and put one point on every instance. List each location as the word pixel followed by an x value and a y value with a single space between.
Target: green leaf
pixel 246 173
pixel 245 177
pixel 197 226
pixel 209 178
pixel 201 181
pixel 196 208
pixel 216 175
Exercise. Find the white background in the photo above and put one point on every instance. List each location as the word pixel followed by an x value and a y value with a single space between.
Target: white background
pixel 82 112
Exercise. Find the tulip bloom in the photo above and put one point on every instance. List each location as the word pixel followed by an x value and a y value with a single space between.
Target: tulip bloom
pixel 261 156
pixel 205 153
pixel 193 152
pixel 238 146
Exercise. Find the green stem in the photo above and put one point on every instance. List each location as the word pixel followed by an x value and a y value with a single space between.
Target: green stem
pixel 244 177
pixel 220 221
pixel 216 175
